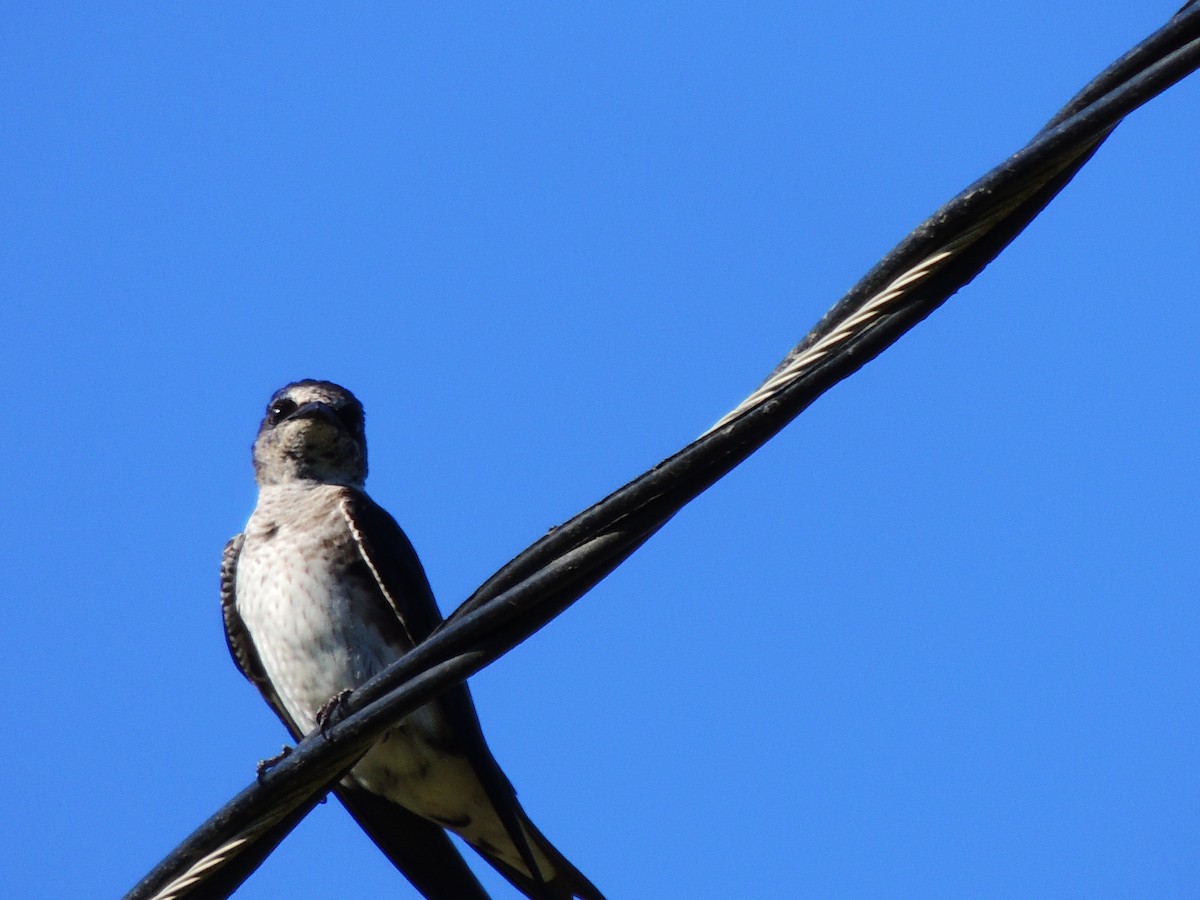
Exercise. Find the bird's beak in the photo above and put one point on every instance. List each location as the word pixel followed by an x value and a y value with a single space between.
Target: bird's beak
pixel 316 410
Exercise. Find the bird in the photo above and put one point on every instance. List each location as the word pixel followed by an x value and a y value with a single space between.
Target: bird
pixel 321 591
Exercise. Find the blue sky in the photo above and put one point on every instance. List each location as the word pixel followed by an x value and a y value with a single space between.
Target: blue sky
pixel 939 638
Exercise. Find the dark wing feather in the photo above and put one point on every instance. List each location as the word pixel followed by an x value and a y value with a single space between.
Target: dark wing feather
pixel 391 558
pixel 401 578
pixel 421 850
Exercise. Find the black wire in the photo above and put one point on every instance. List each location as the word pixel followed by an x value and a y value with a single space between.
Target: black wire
pixel 558 569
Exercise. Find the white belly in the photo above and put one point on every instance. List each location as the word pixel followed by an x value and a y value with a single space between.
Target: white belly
pixel 315 633
pixel 315 639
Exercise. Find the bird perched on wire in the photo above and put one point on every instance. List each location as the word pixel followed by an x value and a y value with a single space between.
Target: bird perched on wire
pixel 321 592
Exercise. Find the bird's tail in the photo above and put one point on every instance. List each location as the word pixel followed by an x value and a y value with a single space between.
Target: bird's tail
pixel 559 880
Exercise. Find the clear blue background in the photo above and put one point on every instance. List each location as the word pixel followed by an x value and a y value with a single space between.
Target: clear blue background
pixel 938 639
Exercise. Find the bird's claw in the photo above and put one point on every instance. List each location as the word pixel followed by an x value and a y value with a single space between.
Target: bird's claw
pixel 333 709
pixel 265 765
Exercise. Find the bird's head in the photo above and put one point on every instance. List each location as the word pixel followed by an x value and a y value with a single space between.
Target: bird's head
pixel 312 431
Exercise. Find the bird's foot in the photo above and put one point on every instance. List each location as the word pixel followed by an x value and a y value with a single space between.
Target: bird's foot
pixel 265 765
pixel 334 709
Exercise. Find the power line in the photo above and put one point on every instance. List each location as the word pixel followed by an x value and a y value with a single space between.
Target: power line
pixel 935 260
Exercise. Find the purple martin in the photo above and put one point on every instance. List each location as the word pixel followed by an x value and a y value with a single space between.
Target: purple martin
pixel 322 591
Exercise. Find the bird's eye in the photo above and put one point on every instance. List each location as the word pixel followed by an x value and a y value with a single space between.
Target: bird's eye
pixel 280 409
pixel 352 417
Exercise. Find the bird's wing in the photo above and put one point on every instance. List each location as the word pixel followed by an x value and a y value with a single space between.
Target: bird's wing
pixel 421 850
pixel 401 578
